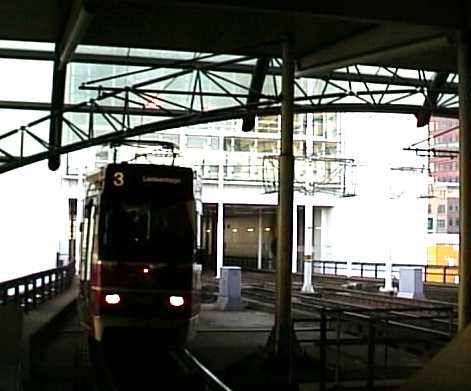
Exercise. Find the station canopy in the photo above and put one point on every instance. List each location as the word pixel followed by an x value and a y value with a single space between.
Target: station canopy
pixel 417 34
pixel 342 44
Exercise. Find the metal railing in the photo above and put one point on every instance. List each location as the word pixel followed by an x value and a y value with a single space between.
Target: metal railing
pixel 431 273
pixel 442 274
pixel 30 291
pixel 331 337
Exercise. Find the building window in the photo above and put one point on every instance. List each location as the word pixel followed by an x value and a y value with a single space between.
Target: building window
pixel 318 122
pixel 298 124
pixel 211 142
pixel 268 124
pixel 430 224
pixel 441 208
pixel 450 222
pixel 299 148
pixel 239 144
pixel 331 150
pixel 440 224
pixel 196 141
pixel 429 208
pixel 267 146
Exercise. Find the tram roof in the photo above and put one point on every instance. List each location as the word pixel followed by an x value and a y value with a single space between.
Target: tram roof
pixel 328 34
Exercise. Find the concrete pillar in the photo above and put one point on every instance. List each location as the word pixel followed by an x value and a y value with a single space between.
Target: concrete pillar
pixel 294 260
pixel 220 240
pixel 464 90
pixel 282 330
pixel 220 214
pixel 324 234
pixel 308 249
pixel 260 240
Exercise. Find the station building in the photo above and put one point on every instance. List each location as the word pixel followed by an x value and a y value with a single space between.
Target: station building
pixel 359 197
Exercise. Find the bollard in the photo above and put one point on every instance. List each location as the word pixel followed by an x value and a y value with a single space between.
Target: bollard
pixel 229 289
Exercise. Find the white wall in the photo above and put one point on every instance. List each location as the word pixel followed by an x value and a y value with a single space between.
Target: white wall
pixel 387 218
pixel 32 211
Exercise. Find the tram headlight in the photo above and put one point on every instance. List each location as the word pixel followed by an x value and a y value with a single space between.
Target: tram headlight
pixel 177 301
pixel 112 299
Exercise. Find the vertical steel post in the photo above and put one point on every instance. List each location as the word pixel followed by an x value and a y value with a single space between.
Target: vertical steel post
pixel 260 240
pixel 464 90
pixel 294 260
pixel 285 208
pixel 57 107
pixel 371 354
pixel 322 351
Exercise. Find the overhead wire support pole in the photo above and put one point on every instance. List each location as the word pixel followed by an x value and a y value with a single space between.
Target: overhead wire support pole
pixel 464 90
pixel 283 327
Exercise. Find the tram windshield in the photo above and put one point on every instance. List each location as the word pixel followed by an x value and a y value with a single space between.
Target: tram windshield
pixel 146 232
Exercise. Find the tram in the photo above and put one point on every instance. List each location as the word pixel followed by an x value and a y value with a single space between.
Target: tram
pixel 138 274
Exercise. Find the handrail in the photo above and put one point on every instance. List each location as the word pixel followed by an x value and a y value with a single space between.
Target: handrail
pixel 30 291
pixel 330 320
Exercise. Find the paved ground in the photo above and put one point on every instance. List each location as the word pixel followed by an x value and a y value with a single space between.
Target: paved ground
pixel 231 344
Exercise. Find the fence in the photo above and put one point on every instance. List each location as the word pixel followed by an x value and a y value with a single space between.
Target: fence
pixel 431 273
pixel 377 322
pixel 30 291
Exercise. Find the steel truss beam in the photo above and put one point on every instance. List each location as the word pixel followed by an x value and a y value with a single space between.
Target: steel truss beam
pixel 205 89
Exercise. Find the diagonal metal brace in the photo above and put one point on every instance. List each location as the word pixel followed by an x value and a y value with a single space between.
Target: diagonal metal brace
pixel 256 86
pixel 430 103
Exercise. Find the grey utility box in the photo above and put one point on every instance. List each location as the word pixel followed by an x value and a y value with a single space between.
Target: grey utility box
pixel 229 289
pixel 410 283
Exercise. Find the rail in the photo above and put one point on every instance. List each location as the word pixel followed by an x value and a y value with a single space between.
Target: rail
pixel 211 382
pixel 30 291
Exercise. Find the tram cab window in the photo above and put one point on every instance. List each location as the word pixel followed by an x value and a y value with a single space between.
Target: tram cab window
pixel 145 231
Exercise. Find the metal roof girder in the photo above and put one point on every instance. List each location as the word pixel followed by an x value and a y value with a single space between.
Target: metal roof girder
pixel 80 17
pixel 368 47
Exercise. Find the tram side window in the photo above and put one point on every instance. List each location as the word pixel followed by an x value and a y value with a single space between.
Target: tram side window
pixel 83 252
pixel 87 240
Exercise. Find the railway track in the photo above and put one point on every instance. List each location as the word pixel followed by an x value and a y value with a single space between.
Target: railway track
pixel 432 290
pixel 427 317
pixel 130 365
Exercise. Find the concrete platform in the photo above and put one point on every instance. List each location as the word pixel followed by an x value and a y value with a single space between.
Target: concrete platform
pixel 40 321
pixel 20 331
pixel 233 344
pixel 226 337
